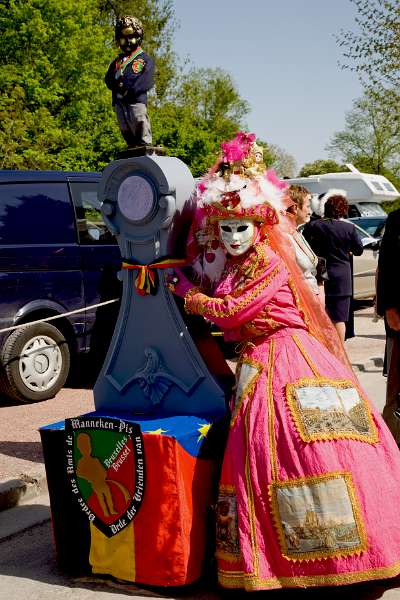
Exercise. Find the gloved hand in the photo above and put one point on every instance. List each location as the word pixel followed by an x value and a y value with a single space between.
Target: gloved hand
pixel 179 284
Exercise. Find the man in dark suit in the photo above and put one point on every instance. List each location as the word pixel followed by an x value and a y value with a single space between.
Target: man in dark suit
pixel 388 306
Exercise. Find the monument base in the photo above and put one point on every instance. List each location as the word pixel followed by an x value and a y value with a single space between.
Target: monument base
pixel 165 543
pixel 145 150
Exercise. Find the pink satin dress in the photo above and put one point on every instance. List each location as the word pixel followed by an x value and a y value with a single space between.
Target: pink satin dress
pixel 311 473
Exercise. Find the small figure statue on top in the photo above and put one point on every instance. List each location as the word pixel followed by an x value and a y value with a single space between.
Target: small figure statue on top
pixel 130 76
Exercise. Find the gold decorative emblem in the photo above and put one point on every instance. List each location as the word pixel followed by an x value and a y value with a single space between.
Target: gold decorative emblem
pixel 138 65
pixel 328 409
pixel 318 517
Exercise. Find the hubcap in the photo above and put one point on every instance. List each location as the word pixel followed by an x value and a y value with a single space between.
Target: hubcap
pixel 40 363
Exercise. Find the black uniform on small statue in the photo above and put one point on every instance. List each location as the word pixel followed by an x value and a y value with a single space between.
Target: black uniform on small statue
pixel 130 76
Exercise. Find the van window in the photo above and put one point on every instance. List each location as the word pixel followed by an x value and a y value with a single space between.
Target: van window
pixel 36 213
pixel 388 186
pixel 90 224
pixel 377 184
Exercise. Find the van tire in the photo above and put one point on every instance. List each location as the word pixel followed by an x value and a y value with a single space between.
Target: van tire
pixel 36 362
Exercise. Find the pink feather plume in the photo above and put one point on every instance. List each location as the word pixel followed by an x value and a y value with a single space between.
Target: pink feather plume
pixel 272 177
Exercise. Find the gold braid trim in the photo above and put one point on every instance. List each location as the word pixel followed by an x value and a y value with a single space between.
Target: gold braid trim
pixel 250 582
pixel 250 499
pixel 306 356
pixel 196 302
pixel 297 301
pixel 188 298
pixel 249 388
pixel 271 414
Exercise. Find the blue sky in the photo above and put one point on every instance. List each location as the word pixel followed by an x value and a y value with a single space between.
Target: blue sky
pixel 283 57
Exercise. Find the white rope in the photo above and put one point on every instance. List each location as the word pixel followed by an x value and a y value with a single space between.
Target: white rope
pixel 67 314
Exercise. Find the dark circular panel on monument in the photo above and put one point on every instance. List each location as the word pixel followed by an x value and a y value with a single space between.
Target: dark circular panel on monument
pixel 136 198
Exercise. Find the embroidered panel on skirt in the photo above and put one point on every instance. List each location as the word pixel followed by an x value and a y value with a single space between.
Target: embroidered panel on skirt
pixel 247 374
pixel 318 517
pixel 227 534
pixel 328 409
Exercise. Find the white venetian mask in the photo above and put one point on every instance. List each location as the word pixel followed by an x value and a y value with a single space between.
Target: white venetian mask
pixel 237 235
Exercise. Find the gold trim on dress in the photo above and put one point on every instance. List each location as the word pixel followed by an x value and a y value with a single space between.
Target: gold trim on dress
pixel 249 388
pixel 325 529
pixel 274 468
pixel 297 301
pixel 197 302
pixel 360 410
pixel 262 317
pixel 251 268
pixel 271 413
pixel 306 356
pixel 189 296
pixel 250 501
pixel 250 582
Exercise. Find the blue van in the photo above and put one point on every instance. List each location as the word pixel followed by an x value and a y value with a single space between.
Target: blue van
pixel 56 257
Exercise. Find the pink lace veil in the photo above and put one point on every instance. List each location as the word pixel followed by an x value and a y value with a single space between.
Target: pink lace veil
pixel 314 314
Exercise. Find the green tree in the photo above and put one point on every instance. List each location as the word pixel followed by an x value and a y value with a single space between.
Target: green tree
pixel 374 49
pixel 55 111
pixel 283 162
pixel 319 167
pixel 204 110
pixel 50 67
pixel 158 18
pixel 370 131
pixel 391 206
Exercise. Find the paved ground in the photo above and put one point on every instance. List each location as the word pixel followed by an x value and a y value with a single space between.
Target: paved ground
pixel 22 572
pixel 20 448
pixel 28 570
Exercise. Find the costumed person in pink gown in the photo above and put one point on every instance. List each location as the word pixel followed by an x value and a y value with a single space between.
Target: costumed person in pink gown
pixel 310 473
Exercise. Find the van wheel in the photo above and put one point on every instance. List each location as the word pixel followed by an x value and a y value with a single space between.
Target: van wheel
pixel 36 361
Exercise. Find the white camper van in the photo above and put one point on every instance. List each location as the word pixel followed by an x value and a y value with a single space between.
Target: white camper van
pixel 365 192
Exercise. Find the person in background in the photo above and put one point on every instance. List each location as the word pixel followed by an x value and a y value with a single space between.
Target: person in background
pixel 301 207
pixel 336 241
pixel 313 267
pixel 388 306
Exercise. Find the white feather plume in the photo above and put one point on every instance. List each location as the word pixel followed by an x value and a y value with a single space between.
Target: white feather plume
pixel 329 194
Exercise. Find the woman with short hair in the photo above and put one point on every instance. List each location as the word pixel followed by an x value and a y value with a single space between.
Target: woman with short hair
pixel 336 240
pixel 312 266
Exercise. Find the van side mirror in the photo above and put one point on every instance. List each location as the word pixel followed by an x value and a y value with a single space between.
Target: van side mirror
pixel 371 243
pixel 94 233
pixel 376 247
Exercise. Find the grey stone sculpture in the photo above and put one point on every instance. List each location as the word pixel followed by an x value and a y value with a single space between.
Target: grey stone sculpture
pixel 153 366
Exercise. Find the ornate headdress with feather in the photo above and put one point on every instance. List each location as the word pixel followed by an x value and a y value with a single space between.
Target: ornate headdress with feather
pixel 239 187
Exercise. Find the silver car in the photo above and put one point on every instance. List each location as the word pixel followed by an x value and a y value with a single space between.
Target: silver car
pixel 364 266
